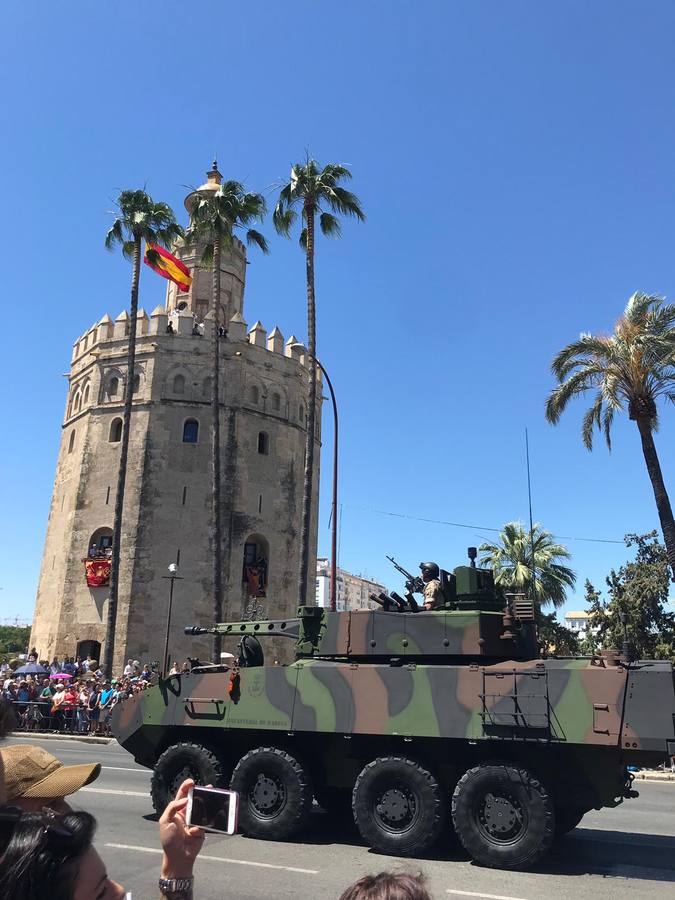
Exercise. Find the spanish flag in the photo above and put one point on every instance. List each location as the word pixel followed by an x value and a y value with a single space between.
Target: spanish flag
pixel 166 265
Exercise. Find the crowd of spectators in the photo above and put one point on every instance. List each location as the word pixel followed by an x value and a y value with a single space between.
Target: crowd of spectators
pixel 70 694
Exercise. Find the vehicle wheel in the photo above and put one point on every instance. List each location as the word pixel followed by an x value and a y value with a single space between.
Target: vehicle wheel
pixel 275 793
pixel 503 816
pixel 398 806
pixel 336 801
pixel 181 761
pixel 567 818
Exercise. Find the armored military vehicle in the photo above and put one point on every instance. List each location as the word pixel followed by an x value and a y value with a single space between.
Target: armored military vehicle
pixel 419 724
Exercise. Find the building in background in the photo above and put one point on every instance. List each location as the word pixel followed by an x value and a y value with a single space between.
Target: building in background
pixel 579 623
pixel 167 507
pixel 352 590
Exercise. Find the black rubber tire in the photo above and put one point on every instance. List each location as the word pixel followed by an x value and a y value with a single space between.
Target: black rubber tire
pixel 334 800
pixel 181 761
pixel 523 816
pixel 399 806
pixel 275 793
pixel 567 818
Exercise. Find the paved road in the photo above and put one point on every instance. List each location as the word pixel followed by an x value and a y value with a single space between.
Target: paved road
pixel 629 851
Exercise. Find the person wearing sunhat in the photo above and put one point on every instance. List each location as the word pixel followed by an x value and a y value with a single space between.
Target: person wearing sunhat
pixel 35 779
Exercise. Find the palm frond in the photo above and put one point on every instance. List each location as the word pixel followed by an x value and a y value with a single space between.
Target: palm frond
pixel 330 225
pixel 115 235
pixel 302 240
pixel 254 237
pixel 592 420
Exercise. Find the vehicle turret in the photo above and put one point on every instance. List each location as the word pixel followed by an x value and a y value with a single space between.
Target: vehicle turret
pixel 476 622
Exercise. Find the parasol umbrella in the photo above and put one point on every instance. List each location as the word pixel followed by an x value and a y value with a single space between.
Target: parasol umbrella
pixel 32 669
pixel 60 676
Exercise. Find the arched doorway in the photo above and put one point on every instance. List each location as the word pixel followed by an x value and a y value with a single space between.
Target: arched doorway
pixel 91 649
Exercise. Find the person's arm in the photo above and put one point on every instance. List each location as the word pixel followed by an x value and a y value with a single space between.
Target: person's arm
pixel 180 844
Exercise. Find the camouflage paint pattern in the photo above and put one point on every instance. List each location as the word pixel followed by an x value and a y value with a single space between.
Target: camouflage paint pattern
pixel 387 676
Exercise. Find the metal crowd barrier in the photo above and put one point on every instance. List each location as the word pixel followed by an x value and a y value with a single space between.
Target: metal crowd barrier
pixel 37 716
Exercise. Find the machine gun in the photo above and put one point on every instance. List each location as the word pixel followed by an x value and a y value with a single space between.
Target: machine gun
pixel 412 582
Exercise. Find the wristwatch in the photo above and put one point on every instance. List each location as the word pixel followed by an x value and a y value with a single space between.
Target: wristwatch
pixel 175 885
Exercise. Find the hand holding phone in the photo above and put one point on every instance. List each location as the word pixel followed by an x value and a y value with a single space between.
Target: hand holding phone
pixel 213 809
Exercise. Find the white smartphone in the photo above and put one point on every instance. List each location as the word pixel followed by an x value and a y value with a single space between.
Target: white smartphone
pixel 213 809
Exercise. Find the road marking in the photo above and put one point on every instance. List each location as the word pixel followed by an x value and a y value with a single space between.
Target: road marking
pixel 225 859
pixel 110 791
pixel 484 896
pixel 127 769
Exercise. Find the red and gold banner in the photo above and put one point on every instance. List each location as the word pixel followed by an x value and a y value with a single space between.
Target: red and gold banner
pixel 167 265
pixel 97 572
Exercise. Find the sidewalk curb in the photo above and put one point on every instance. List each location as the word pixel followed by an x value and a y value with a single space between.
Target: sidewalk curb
pixel 83 738
pixel 654 776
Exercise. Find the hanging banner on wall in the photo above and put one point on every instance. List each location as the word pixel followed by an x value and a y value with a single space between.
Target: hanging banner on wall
pixel 255 579
pixel 97 572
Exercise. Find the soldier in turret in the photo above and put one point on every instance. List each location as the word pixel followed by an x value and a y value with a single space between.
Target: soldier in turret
pixel 433 594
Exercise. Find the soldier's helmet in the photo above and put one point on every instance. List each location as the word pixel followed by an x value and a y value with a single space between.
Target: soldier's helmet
pixel 430 568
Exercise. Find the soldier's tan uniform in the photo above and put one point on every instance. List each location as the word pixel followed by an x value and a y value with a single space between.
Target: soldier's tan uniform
pixel 432 593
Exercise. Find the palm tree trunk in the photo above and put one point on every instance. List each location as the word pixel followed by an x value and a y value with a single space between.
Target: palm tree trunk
pixel 122 474
pixel 215 454
pixel 311 415
pixel 660 494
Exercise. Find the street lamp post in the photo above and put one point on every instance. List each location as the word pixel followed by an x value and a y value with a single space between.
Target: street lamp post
pixel 333 552
pixel 173 577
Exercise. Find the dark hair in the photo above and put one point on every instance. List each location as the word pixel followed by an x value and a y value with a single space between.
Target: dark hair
pixel 388 886
pixel 41 853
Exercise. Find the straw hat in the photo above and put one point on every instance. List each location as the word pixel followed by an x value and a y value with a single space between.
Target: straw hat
pixel 32 772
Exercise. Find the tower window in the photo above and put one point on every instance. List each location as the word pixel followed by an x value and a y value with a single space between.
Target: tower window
pixel 256 565
pixel 137 384
pixel 276 402
pixel 206 388
pixel 100 544
pixel 263 443
pixel 115 431
pixel 179 385
pixel 255 395
pixel 113 386
pixel 71 442
pixel 86 395
pixel 301 413
pixel 191 431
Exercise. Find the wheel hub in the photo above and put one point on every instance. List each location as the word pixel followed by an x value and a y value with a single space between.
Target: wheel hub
pixel 501 817
pixel 396 808
pixel 180 776
pixel 267 795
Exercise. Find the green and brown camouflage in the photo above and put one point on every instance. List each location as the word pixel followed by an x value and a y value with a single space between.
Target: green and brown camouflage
pixel 453 688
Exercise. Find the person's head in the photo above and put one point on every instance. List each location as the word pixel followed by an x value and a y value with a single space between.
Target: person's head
pixel 48 857
pixel 35 779
pixel 388 886
pixel 430 571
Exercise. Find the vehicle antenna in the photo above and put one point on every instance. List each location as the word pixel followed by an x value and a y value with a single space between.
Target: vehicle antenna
pixel 529 500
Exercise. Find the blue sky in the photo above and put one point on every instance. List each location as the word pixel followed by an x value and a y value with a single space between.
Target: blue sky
pixel 515 161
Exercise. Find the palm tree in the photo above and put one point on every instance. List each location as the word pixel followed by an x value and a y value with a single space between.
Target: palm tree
pixel 139 219
pixel 312 188
pixel 214 216
pixel 631 368
pixel 519 552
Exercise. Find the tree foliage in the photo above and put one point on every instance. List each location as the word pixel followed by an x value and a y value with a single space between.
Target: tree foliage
pixel 628 370
pixel 14 639
pixel 511 561
pixel 639 589
pixel 555 637
pixel 217 214
pixel 141 219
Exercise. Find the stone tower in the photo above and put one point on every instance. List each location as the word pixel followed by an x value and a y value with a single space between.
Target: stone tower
pixel 167 508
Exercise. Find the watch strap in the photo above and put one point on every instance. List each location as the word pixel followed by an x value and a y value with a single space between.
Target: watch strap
pixel 175 885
